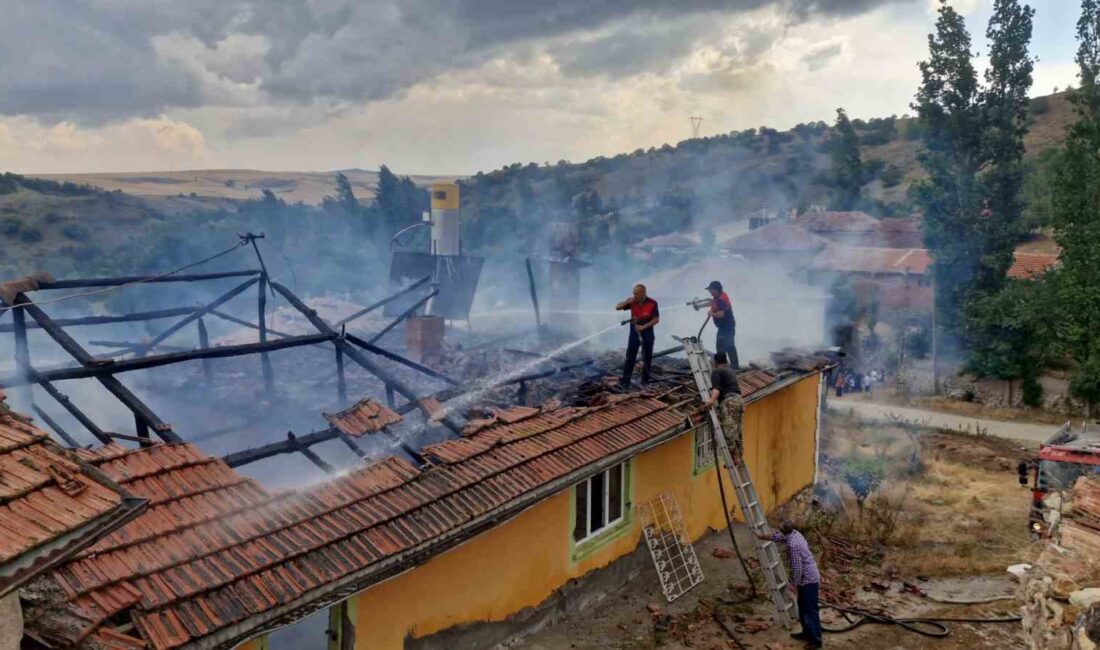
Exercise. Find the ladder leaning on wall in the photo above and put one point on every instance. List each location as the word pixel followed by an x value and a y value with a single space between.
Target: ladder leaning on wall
pixel 766 550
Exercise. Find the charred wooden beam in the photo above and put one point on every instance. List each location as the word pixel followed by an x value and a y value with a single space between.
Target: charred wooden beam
pixel 107 320
pixel 61 433
pixel 124 395
pixel 352 353
pixel 370 347
pixel 22 350
pixel 141 279
pixel 132 347
pixel 67 404
pixel 142 428
pixel 352 445
pixel 292 444
pixel 534 294
pixel 197 314
pixel 261 324
pixel 315 459
pixel 113 367
pixel 243 323
pixel 405 314
pixel 341 379
pixel 368 309
pixel 204 344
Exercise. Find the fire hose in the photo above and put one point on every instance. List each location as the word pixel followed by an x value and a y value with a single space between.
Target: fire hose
pixel 924 625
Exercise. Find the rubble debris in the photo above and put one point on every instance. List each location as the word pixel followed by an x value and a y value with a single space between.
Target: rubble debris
pixel 366 416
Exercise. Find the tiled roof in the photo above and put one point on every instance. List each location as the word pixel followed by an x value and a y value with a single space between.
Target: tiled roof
pixel 1030 265
pixel 862 259
pixel 774 237
pixel 217 559
pixel 216 549
pixel 915 261
pixel 672 240
pixel 188 492
pixel 52 504
pixel 367 416
pixel 853 222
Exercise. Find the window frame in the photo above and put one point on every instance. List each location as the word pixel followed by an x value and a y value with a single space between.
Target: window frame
pixel 703 450
pixel 611 528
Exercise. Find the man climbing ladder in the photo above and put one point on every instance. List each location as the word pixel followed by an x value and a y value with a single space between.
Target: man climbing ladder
pixel 726 392
pixel 747 497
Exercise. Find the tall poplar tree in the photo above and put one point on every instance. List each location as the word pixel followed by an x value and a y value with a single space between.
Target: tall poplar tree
pixel 847 166
pixel 1076 216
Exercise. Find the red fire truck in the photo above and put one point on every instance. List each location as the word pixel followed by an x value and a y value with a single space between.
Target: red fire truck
pixel 1066 456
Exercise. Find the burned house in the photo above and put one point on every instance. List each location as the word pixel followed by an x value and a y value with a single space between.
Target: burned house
pixel 467 548
pixel 523 505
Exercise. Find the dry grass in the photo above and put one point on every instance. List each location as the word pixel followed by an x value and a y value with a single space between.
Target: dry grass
pixel 955 511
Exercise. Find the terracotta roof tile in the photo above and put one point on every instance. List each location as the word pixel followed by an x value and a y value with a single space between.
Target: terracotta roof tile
pixel 1030 265
pixel 775 237
pixel 367 416
pixel 52 504
pixel 217 549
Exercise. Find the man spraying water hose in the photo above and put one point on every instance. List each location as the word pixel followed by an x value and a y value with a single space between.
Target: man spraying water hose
pixel 644 316
pixel 721 312
pixel 726 392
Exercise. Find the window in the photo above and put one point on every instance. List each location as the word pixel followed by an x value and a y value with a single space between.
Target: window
pixel 439 195
pixel 600 503
pixel 704 447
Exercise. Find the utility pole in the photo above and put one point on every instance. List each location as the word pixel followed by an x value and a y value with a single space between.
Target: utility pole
pixel 696 124
pixel 935 343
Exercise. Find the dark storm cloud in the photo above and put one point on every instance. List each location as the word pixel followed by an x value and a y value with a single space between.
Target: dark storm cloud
pixel 97 60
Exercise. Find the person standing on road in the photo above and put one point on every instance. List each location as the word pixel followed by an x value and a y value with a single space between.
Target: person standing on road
pixel 726 392
pixel 805 580
pixel 721 312
pixel 644 316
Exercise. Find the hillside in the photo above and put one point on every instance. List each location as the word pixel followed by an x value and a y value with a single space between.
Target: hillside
pixel 89 223
pixel 705 182
pixel 234 184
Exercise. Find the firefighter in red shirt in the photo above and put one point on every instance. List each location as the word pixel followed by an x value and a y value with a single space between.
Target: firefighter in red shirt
pixel 721 312
pixel 644 316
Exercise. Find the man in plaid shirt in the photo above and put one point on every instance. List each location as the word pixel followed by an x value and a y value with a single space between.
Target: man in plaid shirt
pixel 805 578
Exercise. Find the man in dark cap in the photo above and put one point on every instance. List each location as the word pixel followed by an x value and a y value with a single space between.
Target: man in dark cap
pixel 721 312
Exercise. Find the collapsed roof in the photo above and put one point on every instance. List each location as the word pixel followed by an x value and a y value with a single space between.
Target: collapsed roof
pixel 218 559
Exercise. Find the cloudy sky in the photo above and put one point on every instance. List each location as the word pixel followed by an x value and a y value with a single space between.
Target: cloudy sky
pixel 447 86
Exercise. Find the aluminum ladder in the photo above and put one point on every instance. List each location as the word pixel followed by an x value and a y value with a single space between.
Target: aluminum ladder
pixel 766 551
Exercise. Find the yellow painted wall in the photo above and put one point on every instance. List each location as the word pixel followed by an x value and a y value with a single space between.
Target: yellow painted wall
pixel 523 561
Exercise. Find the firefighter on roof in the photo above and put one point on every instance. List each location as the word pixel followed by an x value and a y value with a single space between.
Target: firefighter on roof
pixel 644 316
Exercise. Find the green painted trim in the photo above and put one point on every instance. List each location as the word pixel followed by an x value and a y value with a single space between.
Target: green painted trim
pixel 696 468
pixel 581 550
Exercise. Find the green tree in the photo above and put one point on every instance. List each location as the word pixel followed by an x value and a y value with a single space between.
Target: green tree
pixel 847 167
pixel 1018 336
pixel 398 201
pixel 972 144
pixel 1076 216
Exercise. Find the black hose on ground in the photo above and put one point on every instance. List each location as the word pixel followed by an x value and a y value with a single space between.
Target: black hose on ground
pixel 925 626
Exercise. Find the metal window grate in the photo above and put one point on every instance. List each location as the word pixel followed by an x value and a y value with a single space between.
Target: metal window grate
pixel 673 555
pixel 704 447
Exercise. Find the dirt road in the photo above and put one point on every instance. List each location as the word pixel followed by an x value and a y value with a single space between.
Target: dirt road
pixel 936 419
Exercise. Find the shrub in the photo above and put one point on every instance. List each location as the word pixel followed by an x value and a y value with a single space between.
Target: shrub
pixel 863 475
pixel 891 176
pixel 74 231
pixel 10 226
pixel 31 235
